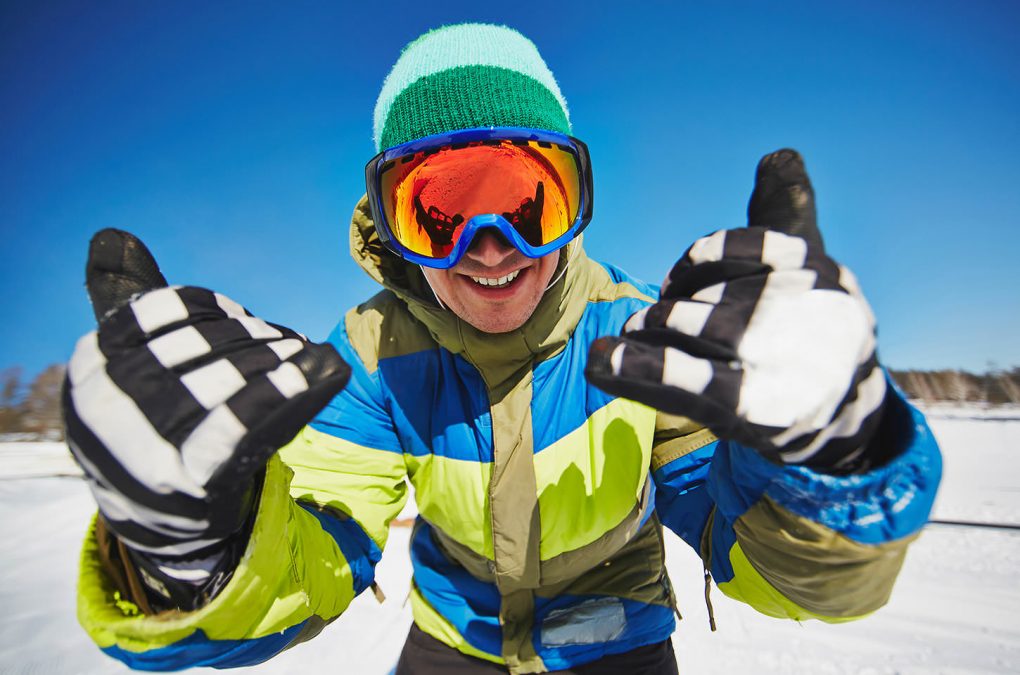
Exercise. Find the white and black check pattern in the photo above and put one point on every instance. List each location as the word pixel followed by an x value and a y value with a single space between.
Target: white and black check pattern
pixel 177 401
pixel 763 338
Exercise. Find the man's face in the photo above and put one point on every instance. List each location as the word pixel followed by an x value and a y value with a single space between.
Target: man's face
pixel 468 288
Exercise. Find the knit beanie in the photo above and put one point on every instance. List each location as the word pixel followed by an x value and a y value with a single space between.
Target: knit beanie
pixel 466 76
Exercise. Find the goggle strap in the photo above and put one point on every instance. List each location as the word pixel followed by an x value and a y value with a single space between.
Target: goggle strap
pixel 558 276
pixel 429 284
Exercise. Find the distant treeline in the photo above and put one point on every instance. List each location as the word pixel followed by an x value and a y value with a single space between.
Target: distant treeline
pixel 32 411
pixel 996 387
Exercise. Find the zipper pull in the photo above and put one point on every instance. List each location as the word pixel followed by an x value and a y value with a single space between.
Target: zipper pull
pixel 708 599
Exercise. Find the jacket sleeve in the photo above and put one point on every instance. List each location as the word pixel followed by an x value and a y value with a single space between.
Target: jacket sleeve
pixel 321 523
pixel 792 542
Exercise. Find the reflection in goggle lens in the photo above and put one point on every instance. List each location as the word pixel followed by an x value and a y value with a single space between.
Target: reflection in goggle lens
pixel 429 196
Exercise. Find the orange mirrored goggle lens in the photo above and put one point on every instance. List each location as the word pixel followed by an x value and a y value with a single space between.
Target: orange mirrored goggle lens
pixel 429 196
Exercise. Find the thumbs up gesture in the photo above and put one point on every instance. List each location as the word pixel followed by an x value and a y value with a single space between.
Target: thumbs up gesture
pixel 759 335
pixel 177 401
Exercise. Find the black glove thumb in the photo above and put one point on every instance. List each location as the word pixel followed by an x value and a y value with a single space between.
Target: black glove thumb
pixel 119 266
pixel 783 199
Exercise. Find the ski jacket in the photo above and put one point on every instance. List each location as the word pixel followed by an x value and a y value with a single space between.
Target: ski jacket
pixel 541 499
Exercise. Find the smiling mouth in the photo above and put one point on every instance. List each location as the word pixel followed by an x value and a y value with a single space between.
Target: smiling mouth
pixel 499 282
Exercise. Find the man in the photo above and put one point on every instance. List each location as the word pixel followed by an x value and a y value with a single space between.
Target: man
pixel 743 407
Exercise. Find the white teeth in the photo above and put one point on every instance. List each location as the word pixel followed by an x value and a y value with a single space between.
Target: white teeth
pixel 501 281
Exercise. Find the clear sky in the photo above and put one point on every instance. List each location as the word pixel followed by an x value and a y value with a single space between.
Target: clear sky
pixel 232 138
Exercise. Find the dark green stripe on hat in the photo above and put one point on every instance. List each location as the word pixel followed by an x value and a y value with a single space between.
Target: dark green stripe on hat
pixel 469 97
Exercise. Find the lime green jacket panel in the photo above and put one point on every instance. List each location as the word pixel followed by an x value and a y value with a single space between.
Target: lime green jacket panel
pixel 363 483
pixel 600 470
pixel 452 494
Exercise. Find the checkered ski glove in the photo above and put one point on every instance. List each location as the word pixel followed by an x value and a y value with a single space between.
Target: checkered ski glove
pixel 759 336
pixel 177 401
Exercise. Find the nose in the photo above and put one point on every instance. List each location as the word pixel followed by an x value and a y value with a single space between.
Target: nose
pixel 490 248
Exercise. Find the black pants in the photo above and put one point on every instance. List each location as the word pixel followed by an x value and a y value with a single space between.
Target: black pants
pixel 425 655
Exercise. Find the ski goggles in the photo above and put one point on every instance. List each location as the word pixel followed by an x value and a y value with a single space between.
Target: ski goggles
pixel 430 197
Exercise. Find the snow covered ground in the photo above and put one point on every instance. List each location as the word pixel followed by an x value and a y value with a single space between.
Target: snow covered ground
pixel 956 607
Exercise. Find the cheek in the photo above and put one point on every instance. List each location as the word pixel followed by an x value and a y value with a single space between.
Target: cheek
pixel 439 282
pixel 447 282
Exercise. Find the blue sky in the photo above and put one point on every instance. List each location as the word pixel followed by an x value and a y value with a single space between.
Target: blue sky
pixel 232 137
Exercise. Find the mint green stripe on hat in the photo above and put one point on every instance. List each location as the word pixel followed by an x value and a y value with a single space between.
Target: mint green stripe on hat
pixel 466 76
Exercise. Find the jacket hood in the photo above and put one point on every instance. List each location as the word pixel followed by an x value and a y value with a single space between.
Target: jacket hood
pixel 496 355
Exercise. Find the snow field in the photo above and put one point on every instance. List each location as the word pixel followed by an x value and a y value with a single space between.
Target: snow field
pixel 955 609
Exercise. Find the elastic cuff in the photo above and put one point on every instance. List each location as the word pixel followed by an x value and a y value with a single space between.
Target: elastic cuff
pixel 892 433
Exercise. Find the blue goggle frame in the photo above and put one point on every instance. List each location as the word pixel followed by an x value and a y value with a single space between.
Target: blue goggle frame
pixel 384 160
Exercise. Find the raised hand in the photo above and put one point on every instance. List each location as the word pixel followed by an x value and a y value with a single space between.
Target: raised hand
pixel 759 335
pixel 179 399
